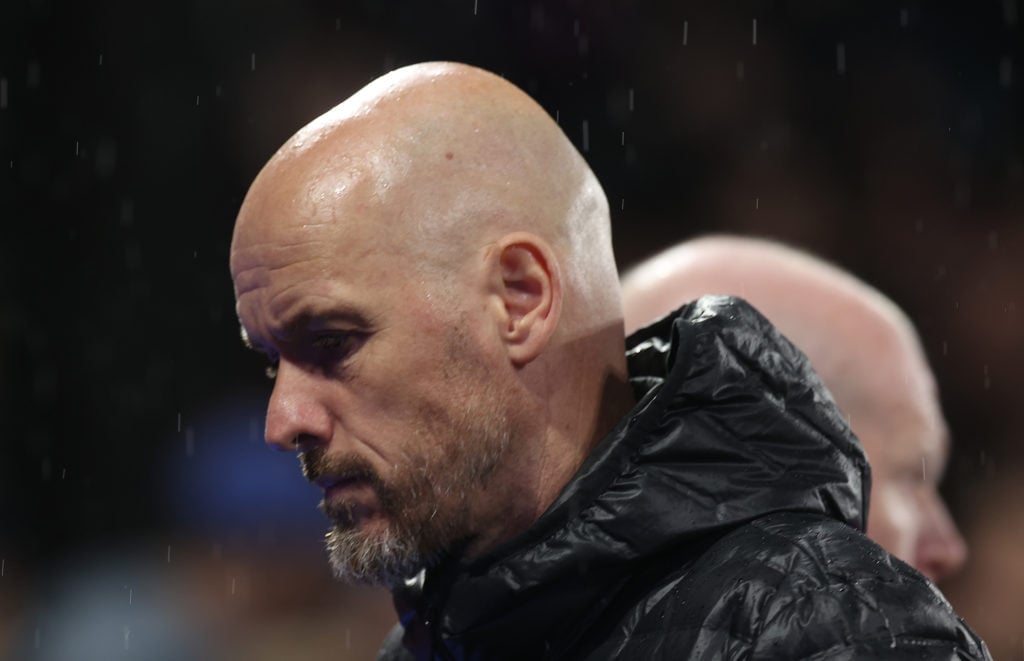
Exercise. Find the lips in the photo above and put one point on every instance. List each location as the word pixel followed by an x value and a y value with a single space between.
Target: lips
pixel 352 492
pixel 350 501
pixel 334 486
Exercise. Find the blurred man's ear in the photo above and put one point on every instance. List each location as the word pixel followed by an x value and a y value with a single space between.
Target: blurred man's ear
pixel 527 285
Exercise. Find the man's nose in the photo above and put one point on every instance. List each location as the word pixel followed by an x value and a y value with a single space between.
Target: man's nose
pixel 295 414
pixel 941 550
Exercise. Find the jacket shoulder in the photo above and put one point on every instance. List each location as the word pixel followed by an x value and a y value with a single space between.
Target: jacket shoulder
pixel 839 595
pixel 793 586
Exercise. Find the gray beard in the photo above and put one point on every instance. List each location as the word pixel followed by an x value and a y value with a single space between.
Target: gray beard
pixel 385 559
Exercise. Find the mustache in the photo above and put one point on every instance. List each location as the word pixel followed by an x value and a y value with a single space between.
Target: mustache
pixel 317 465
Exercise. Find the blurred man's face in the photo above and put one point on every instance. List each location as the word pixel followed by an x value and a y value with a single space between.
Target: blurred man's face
pixel 906 443
pixel 383 387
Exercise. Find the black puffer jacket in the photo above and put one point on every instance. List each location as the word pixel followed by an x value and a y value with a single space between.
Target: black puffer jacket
pixel 720 520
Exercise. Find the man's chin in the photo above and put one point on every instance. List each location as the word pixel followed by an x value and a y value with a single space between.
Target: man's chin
pixel 371 553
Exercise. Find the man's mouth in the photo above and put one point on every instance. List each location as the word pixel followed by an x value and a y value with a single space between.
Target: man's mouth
pixel 334 486
pixel 352 491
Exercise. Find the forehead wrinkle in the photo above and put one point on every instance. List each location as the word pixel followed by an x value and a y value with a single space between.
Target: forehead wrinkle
pixel 282 305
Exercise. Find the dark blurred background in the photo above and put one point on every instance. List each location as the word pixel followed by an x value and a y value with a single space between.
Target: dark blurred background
pixel 139 510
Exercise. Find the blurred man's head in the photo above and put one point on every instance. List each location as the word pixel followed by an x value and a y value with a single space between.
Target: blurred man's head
pixel 429 267
pixel 866 351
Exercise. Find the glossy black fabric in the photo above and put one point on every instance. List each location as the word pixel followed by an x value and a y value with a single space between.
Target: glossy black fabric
pixel 720 520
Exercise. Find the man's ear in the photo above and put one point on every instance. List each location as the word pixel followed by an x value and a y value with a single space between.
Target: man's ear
pixel 528 288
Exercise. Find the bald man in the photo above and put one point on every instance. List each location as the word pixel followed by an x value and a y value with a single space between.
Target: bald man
pixel 429 268
pixel 871 361
pixel 863 347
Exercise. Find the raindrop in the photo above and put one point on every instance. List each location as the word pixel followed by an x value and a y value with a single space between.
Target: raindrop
pixel 740 70
pixel 841 58
pixel 993 241
pixel 127 633
pixel 754 36
pixel 3 566
pixel 904 17
pixel 190 442
pixel 945 348
pixel 63 473
pixel 100 63
pixel 686 31
pixel 337 24
pixel 622 206
pixel 197 100
pixel 631 100
pixel 252 61
pixel 3 94
pixel 232 585
pixel 586 136
pixel 179 422
pixel 757 203
pixel 168 554
pixel 988 379
pixel 474 7
pixel 76 147
pixel 130 594
pixel 924 470
pixel 623 138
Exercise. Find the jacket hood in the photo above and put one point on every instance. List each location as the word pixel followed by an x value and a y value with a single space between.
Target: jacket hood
pixel 731 424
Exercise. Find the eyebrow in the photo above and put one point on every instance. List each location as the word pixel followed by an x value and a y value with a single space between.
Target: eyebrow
pixel 315 318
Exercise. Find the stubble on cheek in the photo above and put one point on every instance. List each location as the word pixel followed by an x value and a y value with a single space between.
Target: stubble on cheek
pixel 428 504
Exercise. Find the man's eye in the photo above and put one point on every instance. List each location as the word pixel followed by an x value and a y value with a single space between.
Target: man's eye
pixel 339 345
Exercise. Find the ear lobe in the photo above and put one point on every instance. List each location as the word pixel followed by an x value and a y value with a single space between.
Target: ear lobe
pixel 529 289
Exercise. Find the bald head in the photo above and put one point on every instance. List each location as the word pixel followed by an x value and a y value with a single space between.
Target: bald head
pixel 865 350
pixel 837 320
pixel 437 159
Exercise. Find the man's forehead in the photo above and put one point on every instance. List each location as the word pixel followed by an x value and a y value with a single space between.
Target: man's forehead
pixel 288 215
